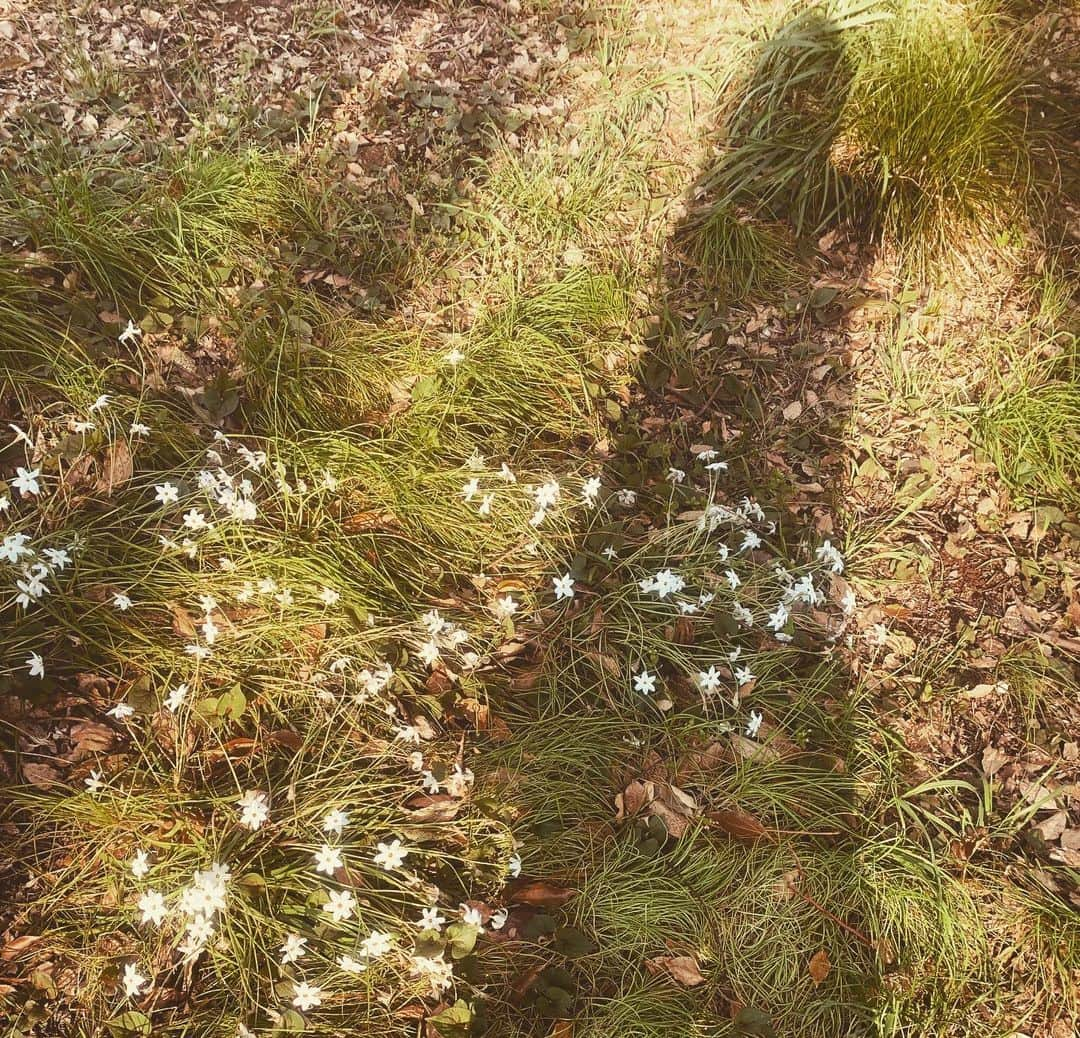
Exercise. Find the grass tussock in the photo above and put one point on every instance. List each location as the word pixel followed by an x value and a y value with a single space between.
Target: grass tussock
pixel 905 118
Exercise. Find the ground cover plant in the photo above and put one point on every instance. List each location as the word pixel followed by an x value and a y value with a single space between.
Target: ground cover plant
pixel 538 521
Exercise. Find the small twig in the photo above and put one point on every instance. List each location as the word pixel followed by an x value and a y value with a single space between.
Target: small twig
pixel 860 937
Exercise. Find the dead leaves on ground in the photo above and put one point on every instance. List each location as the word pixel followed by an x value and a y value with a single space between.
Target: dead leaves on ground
pixel 683 969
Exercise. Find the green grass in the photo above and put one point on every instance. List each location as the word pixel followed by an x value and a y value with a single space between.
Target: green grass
pixel 904 118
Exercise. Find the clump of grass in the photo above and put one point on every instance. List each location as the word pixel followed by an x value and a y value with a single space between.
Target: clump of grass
pixel 931 135
pixel 904 117
pixel 740 258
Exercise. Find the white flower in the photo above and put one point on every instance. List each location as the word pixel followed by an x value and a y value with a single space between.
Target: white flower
pixel 36 665
pixel 498 918
pixel 707 455
pixel 750 541
pixel 732 578
pixel 430 919
pixel 471 916
pixel 547 494
pixel 30 589
pixel 139 429
pixel 645 683
pixel 506 474
pixel 351 965
pixel 327 859
pixel 590 490
pixel 754 724
pixel 335 821
pixel 708 680
pixel 847 602
pixel 167 493
pixel 433 622
pixel 329 597
pixel 293 948
pixel 717 466
pixel 131 334
pixel 436 969
pixel 97 405
pixel 609 552
pixel 513 866
pixel 457 784
pixel 26 481
pixel 5 502
pixel 485 504
pixel 688 608
pixel 340 905
pixel 199 652
pixel 626 497
pixel 537 518
pixel 676 475
pixel 175 699
pixel 564 586
pixel 195 520
pixel 306 996
pixel 376 944
pixel 83 427
pixel 132 980
pixel 429 782
pixel 723 551
pixel 743 676
pixel 429 653
pixel 504 607
pixel 140 864
pixel 284 598
pixel 14 547
pixel 390 855
pixel 453 357
pixel 58 558
pixel 209 630
pixel 471 489
pixel 742 614
pixel 779 618
pixel 152 906
pixel 827 553
pixel 94 783
pixel 122 602
pixel 254 809
pixel 122 711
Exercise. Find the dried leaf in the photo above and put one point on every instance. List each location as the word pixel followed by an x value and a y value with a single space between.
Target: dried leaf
pixel 40 775
pixel 89 738
pixel 14 948
pixel 681 968
pixel 541 894
pixel 993 760
pixel 741 825
pixel 819 966
pixel 116 468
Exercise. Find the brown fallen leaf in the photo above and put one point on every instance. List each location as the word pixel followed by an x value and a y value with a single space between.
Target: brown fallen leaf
pixel 116 468
pixel 993 760
pixel 14 948
pixel 40 775
pixel 1051 828
pixel 89 738
pixel 438 808
pixel 681 968
pixel 741 825
pixel 819 966
pixel 540 893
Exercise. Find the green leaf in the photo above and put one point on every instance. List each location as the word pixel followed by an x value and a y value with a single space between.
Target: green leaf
pixel 454 1021
pixel 231 704
pixel 131 1022
pixel 291 1022
pixel 751 1021
pixel 462 939
pixel 426 388
pixel 572 943
pixel 540 925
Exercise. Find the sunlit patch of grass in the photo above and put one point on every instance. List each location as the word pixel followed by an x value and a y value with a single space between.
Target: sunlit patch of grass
pixel 904 117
